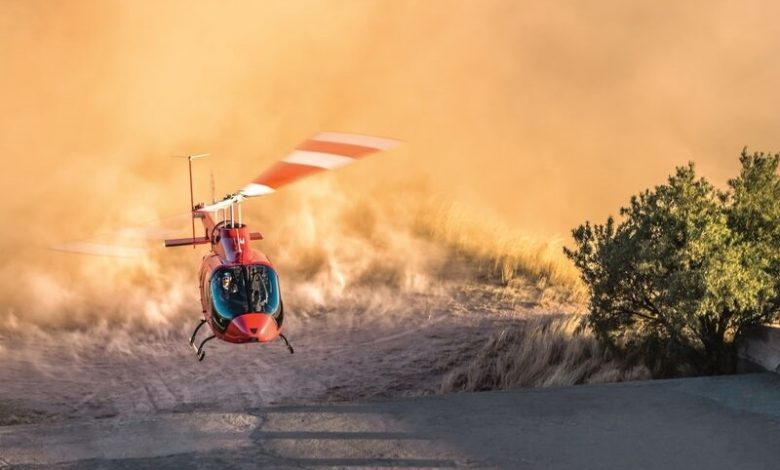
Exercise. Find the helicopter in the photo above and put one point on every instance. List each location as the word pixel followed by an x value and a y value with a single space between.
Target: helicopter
pixel 239 286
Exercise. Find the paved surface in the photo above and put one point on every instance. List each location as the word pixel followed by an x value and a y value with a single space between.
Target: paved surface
pixel 717 422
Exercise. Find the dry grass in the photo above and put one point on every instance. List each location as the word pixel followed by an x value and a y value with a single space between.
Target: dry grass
pixel 13 415
pixel 502 255
pixel 548 350
pixel 554 350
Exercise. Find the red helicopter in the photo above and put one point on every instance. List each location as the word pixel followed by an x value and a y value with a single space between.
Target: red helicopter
pixel 239 287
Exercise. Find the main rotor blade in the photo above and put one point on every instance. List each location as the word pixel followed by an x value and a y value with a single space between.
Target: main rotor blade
pixel 192 157
pixel 127 242
pixel 323 151
pixel 100 249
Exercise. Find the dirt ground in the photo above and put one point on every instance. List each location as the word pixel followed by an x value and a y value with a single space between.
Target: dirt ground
pixel 352 351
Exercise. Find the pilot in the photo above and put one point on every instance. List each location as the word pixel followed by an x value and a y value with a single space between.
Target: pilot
pixel 258 291
pixel 228 286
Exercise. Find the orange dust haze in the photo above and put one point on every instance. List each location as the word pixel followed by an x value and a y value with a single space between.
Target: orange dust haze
pixel 543 114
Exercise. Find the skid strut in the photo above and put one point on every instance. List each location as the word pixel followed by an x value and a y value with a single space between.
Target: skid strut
pixel 292 351
pixel 197 328
pixel 199 352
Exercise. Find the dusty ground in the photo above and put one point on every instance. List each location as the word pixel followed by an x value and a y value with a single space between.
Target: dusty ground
pixel 350 351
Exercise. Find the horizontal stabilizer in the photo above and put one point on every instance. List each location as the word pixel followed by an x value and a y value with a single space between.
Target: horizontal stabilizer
pixel 202 240
pixel 186 241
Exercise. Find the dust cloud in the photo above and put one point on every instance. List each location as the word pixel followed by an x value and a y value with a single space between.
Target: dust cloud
pixel 536 115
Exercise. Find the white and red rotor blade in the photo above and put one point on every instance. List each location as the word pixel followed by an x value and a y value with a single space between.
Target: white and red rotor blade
pixel 324 151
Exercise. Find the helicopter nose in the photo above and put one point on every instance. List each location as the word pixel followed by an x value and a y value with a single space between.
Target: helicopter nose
pixel 256 325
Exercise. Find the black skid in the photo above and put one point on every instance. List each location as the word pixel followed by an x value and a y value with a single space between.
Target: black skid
pixel 199 352
pixel 292 351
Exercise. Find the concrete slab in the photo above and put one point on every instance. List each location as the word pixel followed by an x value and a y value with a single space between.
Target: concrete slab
pixel 759 349
pixel 712 422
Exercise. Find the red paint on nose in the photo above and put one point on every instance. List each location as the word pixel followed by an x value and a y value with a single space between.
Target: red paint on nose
pixel 252 326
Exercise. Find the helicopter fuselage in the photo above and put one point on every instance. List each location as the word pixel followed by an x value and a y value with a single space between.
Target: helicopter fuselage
pixel 239 288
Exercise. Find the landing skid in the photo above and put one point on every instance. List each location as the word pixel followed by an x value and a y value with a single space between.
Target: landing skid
pixel 292 351
pixel 199 352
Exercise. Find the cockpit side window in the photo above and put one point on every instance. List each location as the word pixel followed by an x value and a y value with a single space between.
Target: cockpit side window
pixel 228 294
pixel 263 289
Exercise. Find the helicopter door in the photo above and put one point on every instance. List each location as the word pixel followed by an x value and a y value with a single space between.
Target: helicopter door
pixel 205 291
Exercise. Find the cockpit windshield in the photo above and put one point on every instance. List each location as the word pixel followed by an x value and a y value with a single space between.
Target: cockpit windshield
pixel 236 290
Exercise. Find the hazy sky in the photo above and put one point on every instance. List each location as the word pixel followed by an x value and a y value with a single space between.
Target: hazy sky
pixel 547 113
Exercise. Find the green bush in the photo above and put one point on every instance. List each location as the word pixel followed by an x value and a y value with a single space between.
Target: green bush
pixel 687 269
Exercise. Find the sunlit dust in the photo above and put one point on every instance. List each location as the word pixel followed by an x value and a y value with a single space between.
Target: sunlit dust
pixel 519 121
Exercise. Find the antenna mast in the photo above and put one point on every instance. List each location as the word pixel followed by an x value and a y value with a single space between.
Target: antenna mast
pixel 213 191
pixel 190 158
